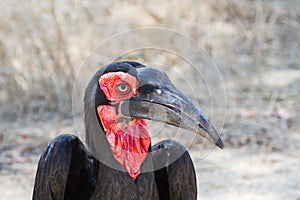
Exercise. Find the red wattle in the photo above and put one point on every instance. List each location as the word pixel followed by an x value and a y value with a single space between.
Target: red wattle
pixel 129 140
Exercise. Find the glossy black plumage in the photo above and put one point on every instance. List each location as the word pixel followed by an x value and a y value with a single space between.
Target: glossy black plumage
pixel 67 170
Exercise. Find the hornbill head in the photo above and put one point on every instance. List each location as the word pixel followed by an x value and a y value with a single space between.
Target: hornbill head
pixel 118 100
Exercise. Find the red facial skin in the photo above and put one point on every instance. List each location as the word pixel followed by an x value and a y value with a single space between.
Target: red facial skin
pixel 129 139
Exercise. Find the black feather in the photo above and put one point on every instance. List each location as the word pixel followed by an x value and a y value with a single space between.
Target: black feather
pixel 67 169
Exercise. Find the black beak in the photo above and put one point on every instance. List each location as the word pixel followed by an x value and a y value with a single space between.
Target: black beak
pixel 159 100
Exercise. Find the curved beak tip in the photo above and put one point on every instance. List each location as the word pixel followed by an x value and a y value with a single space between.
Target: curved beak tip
pixel 219 143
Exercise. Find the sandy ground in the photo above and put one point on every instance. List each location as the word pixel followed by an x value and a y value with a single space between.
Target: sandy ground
pixel 246 172
pixel 238 174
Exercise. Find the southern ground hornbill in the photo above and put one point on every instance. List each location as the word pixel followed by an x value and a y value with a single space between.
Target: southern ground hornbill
pixel 119 161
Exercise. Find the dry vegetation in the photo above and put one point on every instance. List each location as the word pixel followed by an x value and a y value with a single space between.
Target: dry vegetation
pixel 256 45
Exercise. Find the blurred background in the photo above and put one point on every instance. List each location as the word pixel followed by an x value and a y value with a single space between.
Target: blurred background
pixel 254 43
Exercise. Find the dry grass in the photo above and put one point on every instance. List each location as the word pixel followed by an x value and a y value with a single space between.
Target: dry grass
pixel 43 44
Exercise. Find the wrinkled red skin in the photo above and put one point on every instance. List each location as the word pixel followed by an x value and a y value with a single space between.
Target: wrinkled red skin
pixel 129 139
pixel 129 142
pixel 109 81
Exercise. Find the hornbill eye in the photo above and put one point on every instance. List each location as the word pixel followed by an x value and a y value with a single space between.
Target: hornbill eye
pixel 123 88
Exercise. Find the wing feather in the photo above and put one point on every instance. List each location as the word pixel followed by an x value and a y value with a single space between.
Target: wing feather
pixel 177 179
pixel 65 171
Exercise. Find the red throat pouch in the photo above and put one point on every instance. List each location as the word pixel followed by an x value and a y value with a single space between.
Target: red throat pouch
pixel 128 138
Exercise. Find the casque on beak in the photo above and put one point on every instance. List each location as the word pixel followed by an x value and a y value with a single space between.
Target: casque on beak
pixel 159 100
